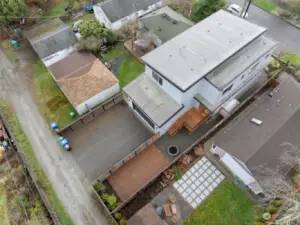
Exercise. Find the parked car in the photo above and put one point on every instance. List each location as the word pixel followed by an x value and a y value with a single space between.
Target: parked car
pixel 236 10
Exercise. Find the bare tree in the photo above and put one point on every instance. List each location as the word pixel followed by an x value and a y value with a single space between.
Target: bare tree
pixel 129 31
pixel 275 184
pixel 149 39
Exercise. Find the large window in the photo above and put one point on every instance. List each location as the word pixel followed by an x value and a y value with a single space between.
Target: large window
pixel 227 90
pixel 142 114
pixel 157 78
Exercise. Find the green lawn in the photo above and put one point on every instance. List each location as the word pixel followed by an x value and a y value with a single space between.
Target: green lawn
pixel 129 70
pixel 227 205
pixel 52 102
pixel 114 53
pixel 34 164
pixel 266 4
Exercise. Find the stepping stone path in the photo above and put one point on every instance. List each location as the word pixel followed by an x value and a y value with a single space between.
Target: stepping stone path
pixel 198 182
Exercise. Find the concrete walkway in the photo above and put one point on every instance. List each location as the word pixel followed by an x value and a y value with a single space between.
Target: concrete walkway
pixel 71 186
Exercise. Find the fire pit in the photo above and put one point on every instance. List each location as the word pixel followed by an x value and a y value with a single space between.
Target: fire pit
pixel 173 150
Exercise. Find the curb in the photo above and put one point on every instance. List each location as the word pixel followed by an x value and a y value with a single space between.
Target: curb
pixel 276 16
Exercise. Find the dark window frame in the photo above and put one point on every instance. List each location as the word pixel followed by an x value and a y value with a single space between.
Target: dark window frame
pixel 157 78
pixel 143 115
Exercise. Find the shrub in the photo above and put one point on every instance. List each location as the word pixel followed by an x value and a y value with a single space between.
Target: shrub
pixel 266 216
pixel 271 209
pixel 17 208
pixel 118 216
pixel 123 222
pixel 99 187
pixel 110 200
pixel 277 203
pixel 275 64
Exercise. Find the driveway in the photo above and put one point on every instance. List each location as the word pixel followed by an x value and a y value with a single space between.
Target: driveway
pixel 285 34
pixel 103 142
pixel 68 180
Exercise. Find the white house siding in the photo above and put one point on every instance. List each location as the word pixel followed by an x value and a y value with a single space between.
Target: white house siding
pixel 167 125
pixel 169 88
pixel 242 84
pixel 48 61
pixel 208 91
pixel 97 99
pixel 101 17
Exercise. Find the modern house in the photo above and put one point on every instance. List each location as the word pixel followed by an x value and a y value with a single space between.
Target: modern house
pixel 247 148
pixel 85 80
pixel 52 40
pixel 115 13
pixel 165 24
pixel 208 65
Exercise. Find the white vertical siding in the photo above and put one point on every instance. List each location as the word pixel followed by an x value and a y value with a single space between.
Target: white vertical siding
pixel 97 99
pixel 169 88
pixel 101 17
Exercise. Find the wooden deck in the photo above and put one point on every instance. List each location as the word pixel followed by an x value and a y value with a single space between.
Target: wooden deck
pixel 191 120
pixel 137 172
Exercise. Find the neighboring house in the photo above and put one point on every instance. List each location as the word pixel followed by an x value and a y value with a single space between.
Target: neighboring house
pixel 115 13
pixel 207 65
pixel 246 148
pixel 85 80
pixel 165 24
pixel 52 40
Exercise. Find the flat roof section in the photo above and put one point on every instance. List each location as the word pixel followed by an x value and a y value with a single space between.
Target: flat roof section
pixel 191 55
pixel 236 65
pixel 149 97
pixel 165 23
pixel 82 76
pixel 260 145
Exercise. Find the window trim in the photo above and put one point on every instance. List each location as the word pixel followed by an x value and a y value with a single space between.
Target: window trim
pixel 157 78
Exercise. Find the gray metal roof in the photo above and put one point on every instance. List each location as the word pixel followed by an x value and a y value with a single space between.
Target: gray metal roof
pixel 261 145
pixel 50 37
pixel 118 9
pixel 156 103
pixel 194 53
pixel 161 22
pixel 240 62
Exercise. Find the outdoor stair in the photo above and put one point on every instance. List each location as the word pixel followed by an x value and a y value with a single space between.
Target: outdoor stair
pixel 191 120
pixel 176 126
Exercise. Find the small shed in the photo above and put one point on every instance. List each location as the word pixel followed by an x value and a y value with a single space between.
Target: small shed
pixel 146 216
pixel 85 80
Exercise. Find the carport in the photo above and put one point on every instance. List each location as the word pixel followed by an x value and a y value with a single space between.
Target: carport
pixel 107 139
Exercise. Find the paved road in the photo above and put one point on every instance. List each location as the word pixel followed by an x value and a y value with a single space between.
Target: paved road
pixel 285 34
pixel 68 180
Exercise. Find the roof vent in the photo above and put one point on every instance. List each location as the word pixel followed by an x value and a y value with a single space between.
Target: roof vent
pixel 164 15
pixel 168 18
pixel 174 21
pixel 159 29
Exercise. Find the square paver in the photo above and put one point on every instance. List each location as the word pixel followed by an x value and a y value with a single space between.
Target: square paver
pixel 194 205
pixel 176 185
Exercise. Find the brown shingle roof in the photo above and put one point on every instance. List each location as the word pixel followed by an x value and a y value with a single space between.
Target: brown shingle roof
pixel 82 76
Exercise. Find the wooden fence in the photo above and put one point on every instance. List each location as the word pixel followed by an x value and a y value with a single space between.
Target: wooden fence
pixel 94 113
